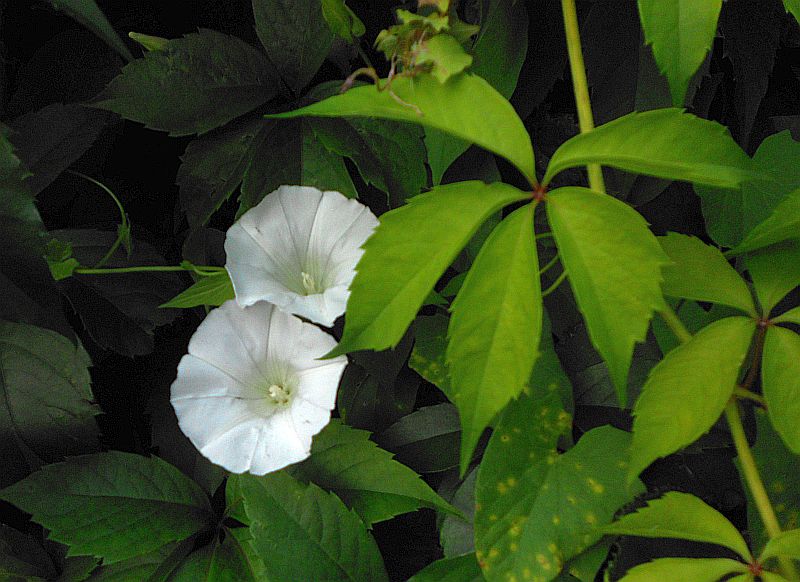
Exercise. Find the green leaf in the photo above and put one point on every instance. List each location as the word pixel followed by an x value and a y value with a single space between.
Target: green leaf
pixel 731 214
pixel 495 127
pixel 213 290
pixel 342 21
pixel 39 425
pixel 343 460
pixel 112 505
pixel 694 569
pixel 783 224
pixel 289 153
pixel 775 271
pixel 681 33
pixel 149 566
pixel 22 558
pixel 780 379
pixel 213 167
pixel 149 42
pixel 445 55
pixel 687 391
pixel 793 6
pixel 408 253
pixel 89 15
pixel 666 143
pixel 786 543
pixel 428 355
pixel 614 266
pixel 295 36
pixel 197 83
pixel 300 532
pixel 700 272
pixel 60 260
pixel 495 327
pixel 219 561
pixel 460 569
pixel 537 509
pixel 681 516
pixel 791 316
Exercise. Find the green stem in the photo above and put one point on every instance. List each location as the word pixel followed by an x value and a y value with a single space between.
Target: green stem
pixel 549 264
pixel 202 271
pixel 675 325
pixel 745 394
pixel 556 283
pixel 580 85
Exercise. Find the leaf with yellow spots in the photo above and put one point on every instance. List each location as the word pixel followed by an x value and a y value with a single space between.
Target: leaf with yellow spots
pixel 538 509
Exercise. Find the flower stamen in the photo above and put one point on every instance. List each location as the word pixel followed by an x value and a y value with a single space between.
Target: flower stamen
pixel 279 395
pixel 309 284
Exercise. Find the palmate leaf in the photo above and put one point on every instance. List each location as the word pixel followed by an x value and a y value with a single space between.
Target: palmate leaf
pixel 682 516
pixel 89 15
pixel 783 224
pixel 786 543
pixel 681 32
pixel 614 266
pixel 687 391
pixel 538 509
pixel 220 561
pixel 694 569
pixel 448 107
pixel 23 559
pixel 780 379
pixel 495 327
pixel 300 532
pixel 47 410
pixel 459 569
pixel 112 505
pixel 407 254
pixel 793 6
pixel 197 83
pixel 665 143
pixel 364 476
pixel 775 271
pixel 700 272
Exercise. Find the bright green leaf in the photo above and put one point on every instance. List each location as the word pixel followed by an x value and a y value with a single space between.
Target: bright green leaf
pixel 295 36
pixel 666 143
pixel 681 32
pixel 112 505
pixel 460 569
pixel 197 83
pixel 682 516
pixel 445 55
pixel 364 476
pixel 47 411
pixel 300 532
pixel 89 15
pixel 213 290
pixel 495 327
pixel 783 224
pixel 775 272
pixel 793 6
pixel 687 391
pixel 786 543
pixel 447 107
pixel 700 272
pixel 149 42
pixel 791 316
pixel 780 379
pixel 408 253
pixel 538 509
pixel 60 260
pixel 614 266
pixel 342 21
pixel 694 569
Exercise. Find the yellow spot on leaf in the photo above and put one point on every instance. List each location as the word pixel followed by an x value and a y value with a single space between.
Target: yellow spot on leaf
pixel 493 517
pixel 591 518
pixel 494 552
pixel 571 499
pixel 556 520
pixel 595 486
pixel 501 488
pixel 505 438
pixel 552 548
pixel 778 486
pixel 513 547
pixel 511 482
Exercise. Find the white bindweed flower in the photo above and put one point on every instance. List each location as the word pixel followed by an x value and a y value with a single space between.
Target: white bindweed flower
pixel 298 249
pixel 251 393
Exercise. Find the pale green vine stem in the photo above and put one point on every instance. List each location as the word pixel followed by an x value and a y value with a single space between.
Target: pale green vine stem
pixel 202 271
pixel 580 85
pixel 746 459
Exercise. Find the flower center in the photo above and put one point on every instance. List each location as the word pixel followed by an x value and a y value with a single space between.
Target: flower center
pixel 309 284
pixel 279 395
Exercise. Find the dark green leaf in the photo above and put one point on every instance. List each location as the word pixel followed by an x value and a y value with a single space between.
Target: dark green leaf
pixel 300 532
pixel 456 533
pixel 775 271
pixel 289 153
pixel 23 559
pixel 614 266
pixel 666 143
pixel 496 127
pixel 460 569
pixel 295 36
pixel 780 379
pixel 495 327
pixel 120 311
pixel 681 34
pixel 213 167
pixel 149 566
pixel 408 253
pixel 694 569
pixel 682 516
pixel 688 390
pixel 364 476
pixel 700 272
pixel 538 509
pixel 89 15
pixel 39 424
pixel 219 561
pixel 197 83
pixel 214 290
pixel 428 356
pixel 112 505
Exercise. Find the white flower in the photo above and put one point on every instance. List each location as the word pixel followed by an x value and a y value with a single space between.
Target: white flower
pixel 251 393
pixel 298 249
